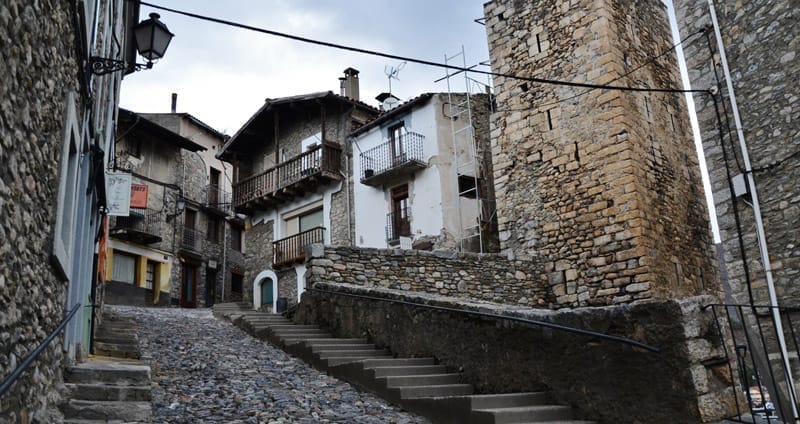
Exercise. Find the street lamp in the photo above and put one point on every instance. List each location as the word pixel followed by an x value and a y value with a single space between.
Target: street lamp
pixel 152 39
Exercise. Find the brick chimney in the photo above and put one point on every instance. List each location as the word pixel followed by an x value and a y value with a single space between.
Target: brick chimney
pixel 174 102
pixel 349 84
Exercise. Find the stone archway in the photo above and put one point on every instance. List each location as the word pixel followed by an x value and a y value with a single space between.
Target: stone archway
pixel 265 277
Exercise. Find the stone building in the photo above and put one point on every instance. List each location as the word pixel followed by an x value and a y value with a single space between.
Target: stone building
pixel 172 244
pixel 745 54
pixel 760 44
pixel 425 179
pixel 57 123
pixel 207 191
pixel 601 187
pixel 294 185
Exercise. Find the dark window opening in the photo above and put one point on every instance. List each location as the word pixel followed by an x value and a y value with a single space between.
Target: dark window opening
pixel 396 137
pixel 467 186
pixel 236 239
pixel 400 219
pixel 214 225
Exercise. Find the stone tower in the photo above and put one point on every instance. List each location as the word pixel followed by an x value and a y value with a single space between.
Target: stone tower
pixel 601 187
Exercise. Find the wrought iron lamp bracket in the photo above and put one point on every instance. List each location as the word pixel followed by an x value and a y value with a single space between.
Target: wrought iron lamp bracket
pixel 102 65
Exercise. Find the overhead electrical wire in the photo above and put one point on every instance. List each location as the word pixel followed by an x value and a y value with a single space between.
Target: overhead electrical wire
pixel 651 60
pixel 415 60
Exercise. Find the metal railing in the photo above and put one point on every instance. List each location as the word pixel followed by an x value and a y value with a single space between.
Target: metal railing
pixel 323 158
pixel 150 223
pixel 392 154
pixel 218 198
pixel 192 239
pixel 398 223
pixel 8 382
pixel 748 335
pixel 545 324
pixel 292 249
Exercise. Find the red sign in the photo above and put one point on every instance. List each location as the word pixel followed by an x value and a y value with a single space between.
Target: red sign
pixel 139 196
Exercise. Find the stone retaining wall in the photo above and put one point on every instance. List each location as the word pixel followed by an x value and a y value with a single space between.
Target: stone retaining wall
pixel 608 382
pixel 468 275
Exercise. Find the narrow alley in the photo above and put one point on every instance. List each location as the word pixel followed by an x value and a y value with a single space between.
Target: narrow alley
pixel 207 370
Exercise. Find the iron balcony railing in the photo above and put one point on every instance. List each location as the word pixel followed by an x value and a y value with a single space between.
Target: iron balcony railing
pixel 323 159
pixel 149 222
pixel 192 239
pixel 758 363
pixel 292 249
pixel 218 198
pixel 392 154
pixel 398 223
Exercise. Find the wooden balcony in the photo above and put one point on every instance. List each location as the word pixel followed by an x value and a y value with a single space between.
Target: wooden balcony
pixel 290 179
pixel 393 161
pixel 292 249
pixel 140 228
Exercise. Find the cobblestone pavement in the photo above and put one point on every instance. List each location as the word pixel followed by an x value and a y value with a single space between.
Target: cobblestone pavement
pixel 207 370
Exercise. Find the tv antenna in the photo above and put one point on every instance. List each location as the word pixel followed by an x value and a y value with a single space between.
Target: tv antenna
pixel 392 72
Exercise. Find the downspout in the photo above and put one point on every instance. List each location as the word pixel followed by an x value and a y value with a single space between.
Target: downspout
pixel 762 241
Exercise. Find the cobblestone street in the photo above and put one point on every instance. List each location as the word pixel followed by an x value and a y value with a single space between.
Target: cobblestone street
pixel 207 370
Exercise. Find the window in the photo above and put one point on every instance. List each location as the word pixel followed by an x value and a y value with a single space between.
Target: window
pixel 67 190
pixel 213 189
pixel 213 232
pixel 311 220
pixel 466 186
pixel 124 270
pixel 236 238
pixel 399 219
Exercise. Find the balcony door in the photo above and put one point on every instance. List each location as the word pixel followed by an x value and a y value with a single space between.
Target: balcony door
pixel 396 141
pixel 214 187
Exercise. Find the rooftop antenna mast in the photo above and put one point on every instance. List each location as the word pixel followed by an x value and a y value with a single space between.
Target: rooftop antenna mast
pixel 392 72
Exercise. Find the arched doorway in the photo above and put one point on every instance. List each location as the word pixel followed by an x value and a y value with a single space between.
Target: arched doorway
pixel 265 290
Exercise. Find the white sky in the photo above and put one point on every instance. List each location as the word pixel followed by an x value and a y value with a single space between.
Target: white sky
pixel 223 74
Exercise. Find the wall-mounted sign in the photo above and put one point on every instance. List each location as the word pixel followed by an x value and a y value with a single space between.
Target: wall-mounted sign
pixel 118 193
pixel 139 196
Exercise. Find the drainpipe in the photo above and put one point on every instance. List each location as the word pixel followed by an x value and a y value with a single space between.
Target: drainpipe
pixel 762 240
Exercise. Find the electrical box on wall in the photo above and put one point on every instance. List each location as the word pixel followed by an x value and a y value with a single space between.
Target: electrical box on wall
pixel 740 186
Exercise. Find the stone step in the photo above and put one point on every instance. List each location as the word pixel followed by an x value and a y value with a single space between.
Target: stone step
pixel 408 370
pixel 101 372
pixel 421 380
pixel 107 410
pixel 507 400
pixel 336 361
pixel 325 354
pixel 281 327
pixel 332 341
pixel 121 350
pixel 305 334
pixel 533 413
pixel 394 362
pixel 437 390
pixel 344 346
pixel 107 392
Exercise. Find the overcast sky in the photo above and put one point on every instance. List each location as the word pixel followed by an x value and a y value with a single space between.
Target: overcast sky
pixel 223 74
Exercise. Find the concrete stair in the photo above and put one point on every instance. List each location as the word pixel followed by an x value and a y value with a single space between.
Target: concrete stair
pixel 109 389
pixel 419 385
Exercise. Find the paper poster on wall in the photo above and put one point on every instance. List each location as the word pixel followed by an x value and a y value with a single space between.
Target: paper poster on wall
pixel 139 196
pixel 118 193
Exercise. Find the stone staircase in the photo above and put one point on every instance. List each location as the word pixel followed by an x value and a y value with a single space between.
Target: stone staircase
pixel 113 386
pixel 419 385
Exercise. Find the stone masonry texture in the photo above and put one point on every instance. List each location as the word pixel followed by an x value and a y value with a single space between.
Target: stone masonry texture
pixel 466 275
pixel 687 382
pixel 602 186
pixel 761 44
pixel 37 69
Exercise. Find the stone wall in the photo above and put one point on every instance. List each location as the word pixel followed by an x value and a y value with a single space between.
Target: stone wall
pixel 602 186
pixel 257 253
pixel 467 275
pixel 37 68
pixel 761 44
pixel 603 381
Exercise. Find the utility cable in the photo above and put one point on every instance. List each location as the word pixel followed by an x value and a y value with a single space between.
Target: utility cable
pixel 651 60
pixel 414 60
pixel 724 108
